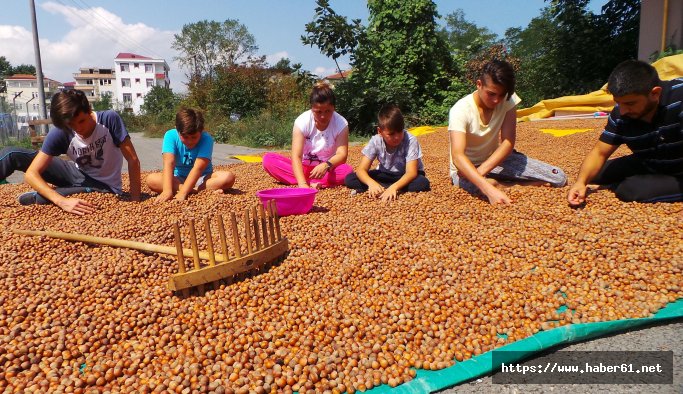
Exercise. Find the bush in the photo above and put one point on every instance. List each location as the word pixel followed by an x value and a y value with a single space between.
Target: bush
pixel 263 130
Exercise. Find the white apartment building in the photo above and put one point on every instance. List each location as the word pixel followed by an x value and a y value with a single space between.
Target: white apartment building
pixel 96 82
pixel 22 94
pixel 135 76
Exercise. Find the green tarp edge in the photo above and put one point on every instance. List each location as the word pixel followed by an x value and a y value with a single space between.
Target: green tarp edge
pixel 428 381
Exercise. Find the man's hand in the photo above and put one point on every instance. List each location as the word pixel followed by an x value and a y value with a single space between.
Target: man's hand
pixel 577 194
pixel 75 206
pixel 389 194
pixel 164 196
pixel 319 171
pixel 498 197
pixel 375 190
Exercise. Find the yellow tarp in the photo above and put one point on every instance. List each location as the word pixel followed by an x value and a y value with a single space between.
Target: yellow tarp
pixel 563 132
pixel 249 159
pixel 421 130
pixel 670 67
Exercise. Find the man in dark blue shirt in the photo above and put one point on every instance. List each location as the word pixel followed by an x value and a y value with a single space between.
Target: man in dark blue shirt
pixel 648 118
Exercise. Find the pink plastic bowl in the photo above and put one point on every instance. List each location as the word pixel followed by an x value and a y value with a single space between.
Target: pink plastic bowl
pixel 289 201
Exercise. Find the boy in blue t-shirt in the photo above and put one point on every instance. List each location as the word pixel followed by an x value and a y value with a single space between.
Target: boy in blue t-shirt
pixel 186 152
pixel 400 160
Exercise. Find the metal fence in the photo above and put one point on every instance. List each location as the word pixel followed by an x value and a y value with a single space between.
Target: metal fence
pixel 9 132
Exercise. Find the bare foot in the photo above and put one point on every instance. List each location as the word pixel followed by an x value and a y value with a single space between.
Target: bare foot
pixel 316 186
pixel 219 191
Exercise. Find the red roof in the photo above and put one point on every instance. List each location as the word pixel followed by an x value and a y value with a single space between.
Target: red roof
pixel 128 55
pixel 342 75
pixel 71 84
pixel 29 76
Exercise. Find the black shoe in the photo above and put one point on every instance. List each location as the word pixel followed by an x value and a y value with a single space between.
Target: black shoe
pixel 28 198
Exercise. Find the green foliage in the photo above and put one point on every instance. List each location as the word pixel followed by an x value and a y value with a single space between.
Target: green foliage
pixel 161 103
pixel 206 45
pixel 465 37
pixel 401 58
pixel 24 69
pixel 562 51
pixel 103 103
pixel 331 33
pixel 21 143
pixel 669 51
pixel 5 67
pixel 240 90
pixel 263 130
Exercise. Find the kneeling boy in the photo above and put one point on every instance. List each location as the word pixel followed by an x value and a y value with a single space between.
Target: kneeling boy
pixel 187 151
pixel 400 160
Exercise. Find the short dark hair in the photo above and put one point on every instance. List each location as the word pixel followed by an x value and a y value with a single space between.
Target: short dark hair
pixel 65 105
pixel 391 118
pixel 322 93
pixel 189 121
pixel 632 77
pixel 501 73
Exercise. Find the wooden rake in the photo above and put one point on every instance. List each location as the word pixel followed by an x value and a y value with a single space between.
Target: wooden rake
pixel 263 245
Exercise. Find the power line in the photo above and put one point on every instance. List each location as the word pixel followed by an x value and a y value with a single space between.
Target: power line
pixel 113 28
pixel 106 28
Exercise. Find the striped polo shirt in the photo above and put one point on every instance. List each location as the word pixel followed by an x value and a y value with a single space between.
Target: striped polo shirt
pixel 658 144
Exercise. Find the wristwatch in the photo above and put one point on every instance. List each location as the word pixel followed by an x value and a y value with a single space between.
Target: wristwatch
pixel 329 165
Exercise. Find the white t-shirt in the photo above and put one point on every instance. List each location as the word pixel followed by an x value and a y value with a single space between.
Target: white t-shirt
pixel 97 156
pixel 320 145
pixel 394 162
pixel 482 139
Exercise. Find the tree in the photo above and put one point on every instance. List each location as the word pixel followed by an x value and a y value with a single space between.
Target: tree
pixel 331 32
pixel 465 37
pixel 24 69
pixel 401 58
pixel 103 103
pixel 161 102
pixel 5 67
pixel 206 45
pixel 240 89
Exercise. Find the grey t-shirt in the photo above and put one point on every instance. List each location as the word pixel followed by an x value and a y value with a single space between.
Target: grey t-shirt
pixel 394 162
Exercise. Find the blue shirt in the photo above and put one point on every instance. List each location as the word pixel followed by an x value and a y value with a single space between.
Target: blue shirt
pixel 184 157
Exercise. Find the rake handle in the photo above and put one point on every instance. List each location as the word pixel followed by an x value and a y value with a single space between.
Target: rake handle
pixel 143 246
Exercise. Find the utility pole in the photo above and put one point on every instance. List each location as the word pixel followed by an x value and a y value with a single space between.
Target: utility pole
pixel 39 64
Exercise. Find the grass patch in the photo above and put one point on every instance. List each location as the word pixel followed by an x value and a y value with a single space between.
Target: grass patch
pixel 21 143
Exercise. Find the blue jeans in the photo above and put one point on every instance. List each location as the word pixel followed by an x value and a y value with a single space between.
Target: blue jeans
pixel 62 173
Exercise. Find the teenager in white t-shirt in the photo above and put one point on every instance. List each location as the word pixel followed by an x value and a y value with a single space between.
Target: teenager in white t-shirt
pixel 96 144
pixel 320 145
pixel 482 132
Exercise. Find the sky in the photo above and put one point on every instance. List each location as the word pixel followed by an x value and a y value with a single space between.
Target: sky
pixel 90 33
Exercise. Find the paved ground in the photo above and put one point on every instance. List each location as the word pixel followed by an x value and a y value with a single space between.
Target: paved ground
pixel 149 152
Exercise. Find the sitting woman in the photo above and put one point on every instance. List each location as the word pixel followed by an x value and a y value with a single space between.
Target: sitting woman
pixel 320 145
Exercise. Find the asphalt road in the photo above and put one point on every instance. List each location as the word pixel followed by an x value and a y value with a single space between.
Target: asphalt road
pixel 149 152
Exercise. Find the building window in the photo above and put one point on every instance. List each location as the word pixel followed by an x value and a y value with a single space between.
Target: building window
pixel 125 82
pixel 137 80
pixel 150 82
pixel 19 106
pixel 138 95
pixel 136 65
pixel 36 106
pixel 104 82
pixel 34 94
pixel 88 82
pixel 127 98
pixel 125 67
pixel 148 68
